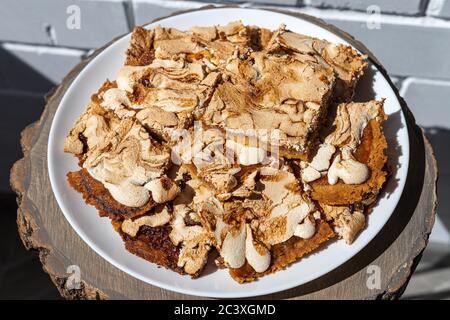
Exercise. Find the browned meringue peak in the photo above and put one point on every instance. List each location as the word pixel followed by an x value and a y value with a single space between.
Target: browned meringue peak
pixel 180 87
pixel 194 240
pixel 244 229
pixel 167 43
pixel 348 64
pixel 282 80
pixel 351 120
pixel 204 33
pixel 206 151
pixel 232 39
pixel 259 37
pixel 159 216
pixel 347 169
pixel 174 48
pixel 138 52
pixel 234 32
pixel 162 123
pixel 347 222
pixel 318 165
pixel 348 226
pixel 90 129
pixel 331 213
pixel 164 74
pixel 126 160
pixel 286 206
pixel 256 253
pixel 306 229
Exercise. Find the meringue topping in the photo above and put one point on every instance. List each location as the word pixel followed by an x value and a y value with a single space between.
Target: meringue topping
pixel 351 119
pixel 125 161
pixel 159 218
pixel 349 171
pixel 258 256
pixel 233 247
pixel 306 229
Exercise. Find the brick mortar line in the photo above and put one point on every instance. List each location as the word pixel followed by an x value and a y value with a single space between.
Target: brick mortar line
pixel 307 4
pixel 42 49
pixel 423 9
pixel 45 46
pixel 180 4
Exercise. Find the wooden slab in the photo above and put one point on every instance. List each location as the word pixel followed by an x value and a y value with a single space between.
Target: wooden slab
pixel 395 252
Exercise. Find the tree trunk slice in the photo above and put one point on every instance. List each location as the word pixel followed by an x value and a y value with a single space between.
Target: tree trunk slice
pixel 396 250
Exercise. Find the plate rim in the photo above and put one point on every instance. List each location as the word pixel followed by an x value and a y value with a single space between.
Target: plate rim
pixel 195 292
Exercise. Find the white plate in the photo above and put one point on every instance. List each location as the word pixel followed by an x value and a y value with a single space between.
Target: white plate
pixel 98 233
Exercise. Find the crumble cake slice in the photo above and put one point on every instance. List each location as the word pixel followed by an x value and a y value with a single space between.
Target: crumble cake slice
pixel 130 165
pixel 347 221
pixel 275 95
pixel 164 95
pixel 286 253
pixel 172 234
pixel 348 170
pixel 297 97
pixel 93 125
pixel 347 63
pixel 349 166
pixel 266 215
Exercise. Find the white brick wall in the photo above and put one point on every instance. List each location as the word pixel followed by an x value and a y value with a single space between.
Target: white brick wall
pixel 45 22
pixel 413 42
pixel 409 7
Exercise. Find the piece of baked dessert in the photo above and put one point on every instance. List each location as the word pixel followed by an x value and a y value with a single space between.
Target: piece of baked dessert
pixel 348 170
pixel 265 224
pixel 349 166
pixel 346 62
pixel 125 177
pixel 278 91
pixel 273 94
pixel 281 225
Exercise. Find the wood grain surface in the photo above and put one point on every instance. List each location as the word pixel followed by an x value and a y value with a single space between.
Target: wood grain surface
pixel 396 250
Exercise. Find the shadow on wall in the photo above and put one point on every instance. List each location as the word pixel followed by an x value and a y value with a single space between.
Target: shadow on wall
pixel 21 274
pixel 440 139
pixel 22 91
